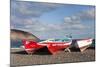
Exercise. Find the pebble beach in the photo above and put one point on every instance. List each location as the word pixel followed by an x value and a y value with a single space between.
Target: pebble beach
pixel 20 58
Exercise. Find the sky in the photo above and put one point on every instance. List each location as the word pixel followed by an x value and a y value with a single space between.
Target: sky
pixel 53 20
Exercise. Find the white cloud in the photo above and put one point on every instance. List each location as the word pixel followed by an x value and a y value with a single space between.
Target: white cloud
pixel 32 8
pixel 75 21
pixel 88 14
pixel 72 20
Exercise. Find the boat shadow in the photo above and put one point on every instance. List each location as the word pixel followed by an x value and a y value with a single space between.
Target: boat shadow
pixel 73 49
pixel 91 48
pixel 45 51
pixel 42 51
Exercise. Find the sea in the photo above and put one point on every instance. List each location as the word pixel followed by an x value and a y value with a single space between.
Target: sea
pixel 18 43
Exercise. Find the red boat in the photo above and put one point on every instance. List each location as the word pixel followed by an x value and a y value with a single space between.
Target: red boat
pixel 53 45
pixel 31 46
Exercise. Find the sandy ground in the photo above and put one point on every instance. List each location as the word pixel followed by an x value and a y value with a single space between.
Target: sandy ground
pixel 20 57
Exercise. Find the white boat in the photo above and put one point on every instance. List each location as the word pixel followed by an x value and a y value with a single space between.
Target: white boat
pixel 83 44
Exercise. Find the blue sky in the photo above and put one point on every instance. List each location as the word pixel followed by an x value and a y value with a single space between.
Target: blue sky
pixel 52 20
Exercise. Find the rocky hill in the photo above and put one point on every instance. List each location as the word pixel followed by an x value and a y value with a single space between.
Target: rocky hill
pixel 19 35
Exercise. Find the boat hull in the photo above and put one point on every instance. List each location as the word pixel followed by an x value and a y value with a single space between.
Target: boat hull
pixel 84 44
pixel 31 46
pixel 55 47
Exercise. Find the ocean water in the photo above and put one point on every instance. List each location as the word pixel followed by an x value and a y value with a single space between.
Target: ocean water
pixel 18 43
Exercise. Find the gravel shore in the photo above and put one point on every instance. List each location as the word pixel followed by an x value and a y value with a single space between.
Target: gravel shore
pixel 20 58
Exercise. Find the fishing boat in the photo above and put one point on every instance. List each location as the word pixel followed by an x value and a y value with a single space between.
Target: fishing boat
pixel 83 44
pixel 53 45
pixel 31 46
pixel 56 45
